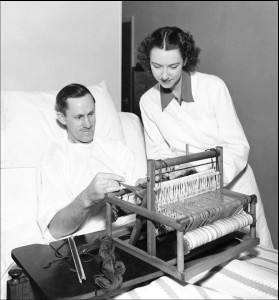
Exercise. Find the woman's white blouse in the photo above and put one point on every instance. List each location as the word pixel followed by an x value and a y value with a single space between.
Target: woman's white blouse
pixel 209 121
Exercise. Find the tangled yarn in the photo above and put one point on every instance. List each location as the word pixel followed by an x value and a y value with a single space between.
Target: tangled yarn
pixel 111 270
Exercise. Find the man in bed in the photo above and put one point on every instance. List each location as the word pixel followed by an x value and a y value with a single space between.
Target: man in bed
pixel 75 174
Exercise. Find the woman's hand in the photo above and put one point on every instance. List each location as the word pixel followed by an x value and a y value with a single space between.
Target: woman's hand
pixel 188 169
pixel 141 181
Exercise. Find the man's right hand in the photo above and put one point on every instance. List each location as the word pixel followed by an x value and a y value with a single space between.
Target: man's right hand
pixel 101 184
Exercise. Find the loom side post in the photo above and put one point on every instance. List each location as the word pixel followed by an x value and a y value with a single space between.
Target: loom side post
pixel 220 165
pixel 180 250
pixel 253 213
pixel 151 235
pixel 108 219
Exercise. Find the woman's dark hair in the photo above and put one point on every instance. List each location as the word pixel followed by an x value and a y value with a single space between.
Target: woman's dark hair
pixel 169 38
pixel 73 90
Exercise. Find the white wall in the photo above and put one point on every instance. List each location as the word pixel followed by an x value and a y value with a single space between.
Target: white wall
pixel 46 45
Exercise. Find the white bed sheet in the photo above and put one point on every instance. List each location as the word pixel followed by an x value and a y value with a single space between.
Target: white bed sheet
pixel 242 278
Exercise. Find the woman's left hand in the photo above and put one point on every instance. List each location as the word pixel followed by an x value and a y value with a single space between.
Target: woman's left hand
pixel 187 170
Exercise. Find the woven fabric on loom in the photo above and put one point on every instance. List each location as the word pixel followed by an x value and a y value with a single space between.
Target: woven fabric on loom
pixel 209 212
pixel 197 198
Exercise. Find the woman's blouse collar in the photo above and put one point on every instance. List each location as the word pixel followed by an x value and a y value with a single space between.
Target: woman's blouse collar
pixel 186 92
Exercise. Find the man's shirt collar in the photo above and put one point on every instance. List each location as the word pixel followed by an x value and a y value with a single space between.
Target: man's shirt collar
pixel 186 92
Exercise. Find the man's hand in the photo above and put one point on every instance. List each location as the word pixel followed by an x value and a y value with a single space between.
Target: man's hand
pixel 101 184
pixel 69 218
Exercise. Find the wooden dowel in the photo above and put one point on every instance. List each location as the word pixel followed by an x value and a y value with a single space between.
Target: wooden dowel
pixel 220 164
pixel 108 219
pixel 180 251
pixel 253 213
pixel 169 162
pixel 138 224
pixel 187 149
pixel 151 234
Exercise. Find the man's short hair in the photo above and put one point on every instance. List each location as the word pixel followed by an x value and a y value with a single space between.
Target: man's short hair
pixel 73 90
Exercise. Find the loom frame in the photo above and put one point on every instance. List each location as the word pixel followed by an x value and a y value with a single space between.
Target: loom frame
pixel 177 267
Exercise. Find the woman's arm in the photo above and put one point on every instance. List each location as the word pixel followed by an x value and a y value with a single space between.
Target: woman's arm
pixel 231 135
pixel 156 146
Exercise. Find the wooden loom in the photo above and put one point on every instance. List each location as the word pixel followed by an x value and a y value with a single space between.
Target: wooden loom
pixel 208 211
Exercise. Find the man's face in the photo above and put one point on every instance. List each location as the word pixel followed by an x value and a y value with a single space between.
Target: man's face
pixel 80 119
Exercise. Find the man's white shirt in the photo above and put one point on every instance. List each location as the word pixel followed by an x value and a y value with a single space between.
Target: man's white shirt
pixel 68 168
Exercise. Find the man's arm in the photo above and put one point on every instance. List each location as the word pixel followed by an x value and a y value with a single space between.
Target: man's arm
pixel 68 219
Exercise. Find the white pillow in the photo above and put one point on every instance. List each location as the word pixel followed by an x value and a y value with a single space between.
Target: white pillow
pixel 134 137
pixel 28 124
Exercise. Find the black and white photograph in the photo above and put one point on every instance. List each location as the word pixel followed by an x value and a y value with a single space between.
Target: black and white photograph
pixel 139 150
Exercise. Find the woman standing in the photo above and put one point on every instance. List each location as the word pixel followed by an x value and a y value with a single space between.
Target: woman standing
pixel 187 107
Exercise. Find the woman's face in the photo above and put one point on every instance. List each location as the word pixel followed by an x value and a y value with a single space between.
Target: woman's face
pixel 166 66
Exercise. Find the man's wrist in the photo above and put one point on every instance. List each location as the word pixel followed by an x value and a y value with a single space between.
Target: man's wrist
pixel 85 201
